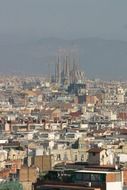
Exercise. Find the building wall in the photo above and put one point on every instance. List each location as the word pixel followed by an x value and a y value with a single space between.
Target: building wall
pixel 101 158
pixel 114 186
pixel 27 185
pixel 28 174
pixel 44 162
pixel 91 99
pixel 113 177
pixel 56 114
pixel 120 98
pixel 104 158
pixel 94 158
pixel 69 155
pixel 124 175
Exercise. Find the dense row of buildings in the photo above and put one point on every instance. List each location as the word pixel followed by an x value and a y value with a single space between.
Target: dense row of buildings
pixel 63 135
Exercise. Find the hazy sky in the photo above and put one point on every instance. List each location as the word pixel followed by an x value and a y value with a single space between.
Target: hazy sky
pixel 24 24
pixel 64 18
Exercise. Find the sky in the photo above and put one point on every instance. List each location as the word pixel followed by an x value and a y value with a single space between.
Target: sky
pixel 64 18
pixel 24 23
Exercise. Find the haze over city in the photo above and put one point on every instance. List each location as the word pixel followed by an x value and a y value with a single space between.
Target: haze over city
pixel 32 31
pixel 63 94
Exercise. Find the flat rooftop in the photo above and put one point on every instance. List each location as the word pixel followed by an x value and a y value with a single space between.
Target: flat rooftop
pixel 97 171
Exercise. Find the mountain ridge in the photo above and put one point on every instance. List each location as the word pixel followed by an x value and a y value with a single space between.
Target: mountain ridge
pixel 101 58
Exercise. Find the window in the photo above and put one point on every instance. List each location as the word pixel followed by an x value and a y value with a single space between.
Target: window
pixel 44 135
pixel 76 157
pixel 58 157
pixel 94 154
pixel 82 157
pixel 65 157
pixel 95 177
pixel 98 177
pixel 78 176
pixel 86 177
pixel 102 158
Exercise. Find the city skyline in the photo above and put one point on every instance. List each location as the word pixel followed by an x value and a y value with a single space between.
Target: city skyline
pixel 32 31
